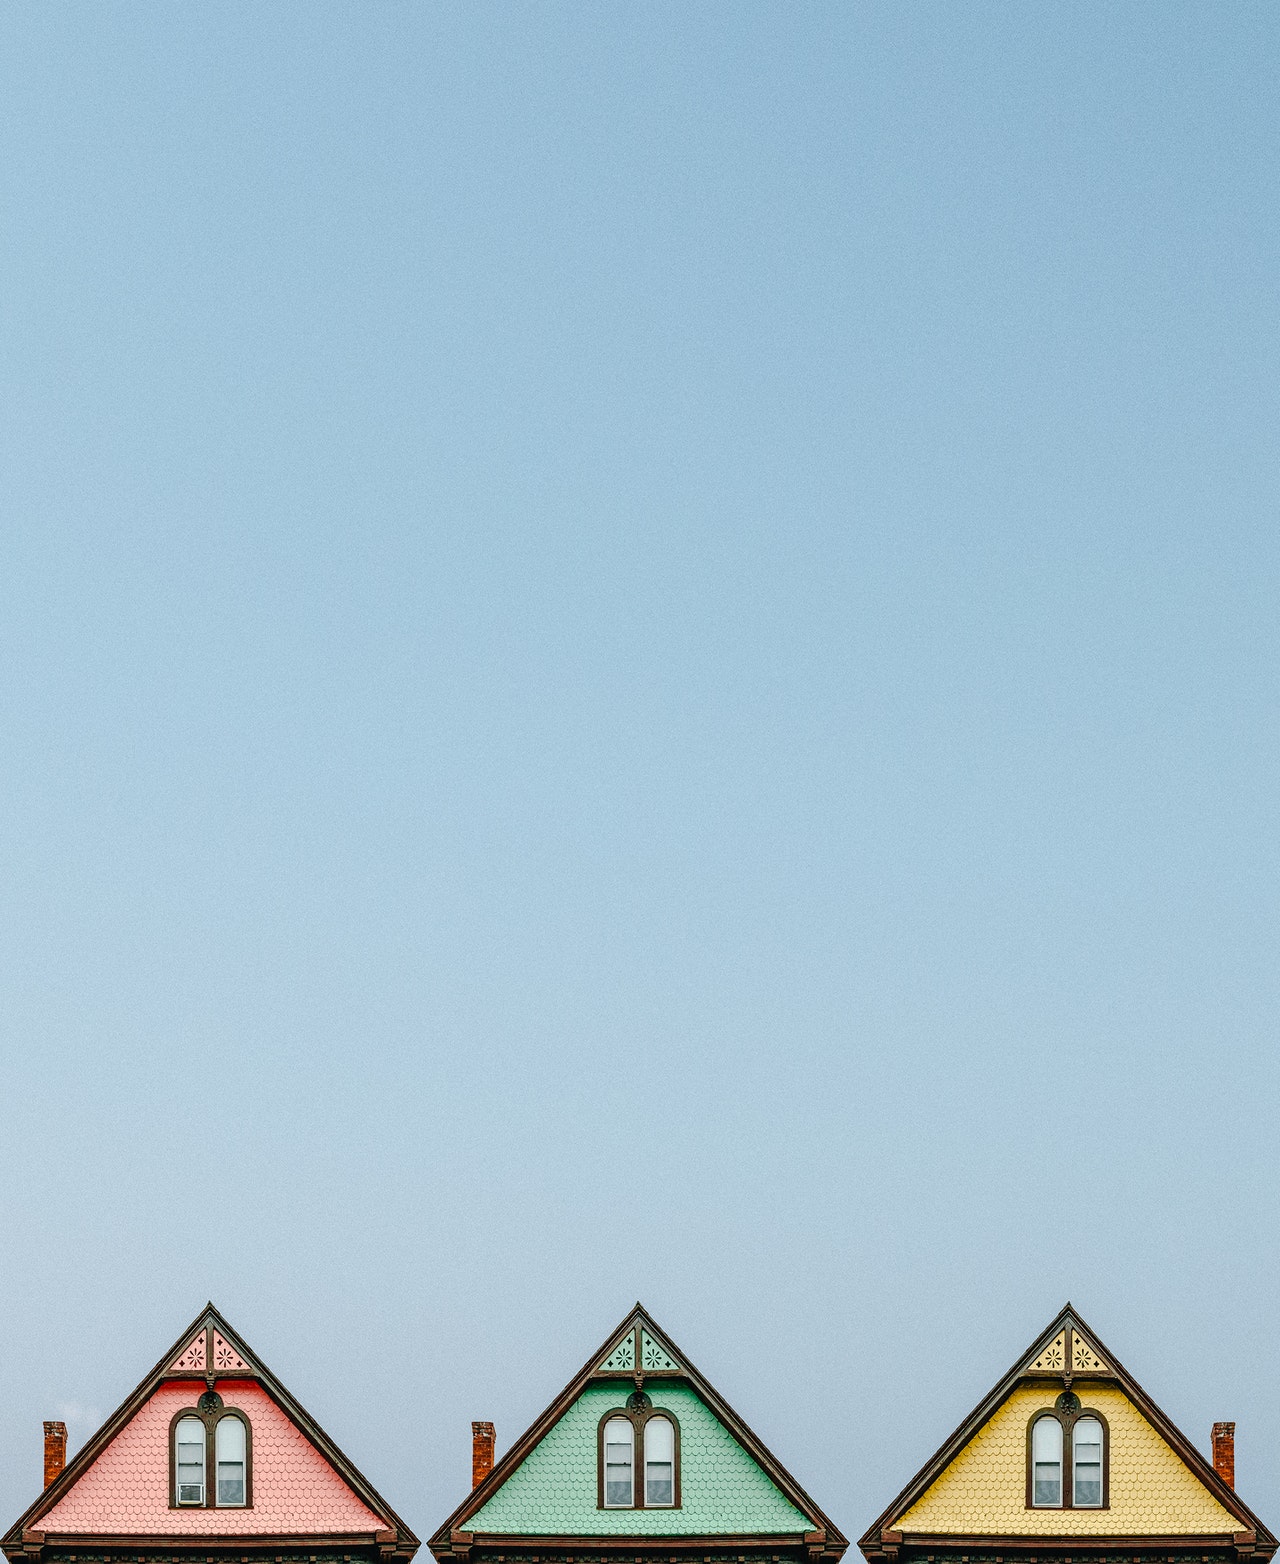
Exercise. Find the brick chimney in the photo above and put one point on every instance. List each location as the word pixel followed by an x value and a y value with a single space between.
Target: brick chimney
pixel 1224 1452
pixel 481 1452
pixel 55 1451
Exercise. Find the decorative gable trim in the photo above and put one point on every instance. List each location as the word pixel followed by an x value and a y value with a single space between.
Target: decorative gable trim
pixel 209 1338
pixel 209 1354
pixel 1067 1350
pixel 1084 1358
pixel 637 1336
pixel 637 1346
pixel 622 1360
pixel 225 1358
pixel 193 1357
pixel 654 1359
pixel 1054 1357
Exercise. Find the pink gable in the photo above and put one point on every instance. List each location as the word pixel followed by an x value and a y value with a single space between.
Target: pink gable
pixel 127 1488
pixel 226 1360
pixel 191 1356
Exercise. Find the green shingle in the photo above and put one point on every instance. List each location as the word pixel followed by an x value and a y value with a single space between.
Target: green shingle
pixel 723 1491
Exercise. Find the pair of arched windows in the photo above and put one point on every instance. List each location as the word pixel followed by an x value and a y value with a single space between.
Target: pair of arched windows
pixel 639 1459
pixel 1067 1458
pixel 210 1458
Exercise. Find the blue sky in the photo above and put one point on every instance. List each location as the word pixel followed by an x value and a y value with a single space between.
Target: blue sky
pixel 638 658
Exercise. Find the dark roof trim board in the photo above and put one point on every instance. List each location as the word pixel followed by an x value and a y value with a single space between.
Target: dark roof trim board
pixel 879 1542
pixel 452 1538
pixel 201 1542
pixel 1051 1547
pixel 394 1539
pixel 731 1543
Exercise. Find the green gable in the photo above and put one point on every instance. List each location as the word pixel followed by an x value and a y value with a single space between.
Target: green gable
pixel 723 1491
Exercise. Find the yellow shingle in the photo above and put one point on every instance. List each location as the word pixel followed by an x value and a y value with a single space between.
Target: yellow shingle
pixel 984 1489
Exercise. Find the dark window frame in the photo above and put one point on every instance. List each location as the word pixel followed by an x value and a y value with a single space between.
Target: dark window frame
pixel 637 1417
pixel 210 1420
pixel 1068 1420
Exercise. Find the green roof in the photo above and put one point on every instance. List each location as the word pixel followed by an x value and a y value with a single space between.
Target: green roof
pixel 723 1490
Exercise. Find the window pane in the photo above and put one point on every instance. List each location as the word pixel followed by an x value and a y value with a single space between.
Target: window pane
pixel 1086 1477
pixel 659 1461
pixel 659 1440
pixel 1046 1459
pixel 659 1485
pixel 189 1462
pixel 619 1437
pixel 1047 1487
pixel 230 1482
pixel 229 1446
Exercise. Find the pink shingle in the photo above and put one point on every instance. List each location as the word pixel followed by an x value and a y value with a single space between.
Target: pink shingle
pixel 127 1488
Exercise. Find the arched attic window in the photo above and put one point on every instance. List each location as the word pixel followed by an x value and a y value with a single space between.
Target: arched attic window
pixel 1086 1464
pixel 1046 1463
pixel 1068 1453
pixel 211 1457
pixel 230 1440
pixel 189 1446
pixel 659 1463
pixel 639 1457
pixel 619 1464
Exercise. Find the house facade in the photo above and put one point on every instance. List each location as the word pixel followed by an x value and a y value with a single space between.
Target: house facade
pixel 1069 1461
pixel 637 1458
pixel 209 1459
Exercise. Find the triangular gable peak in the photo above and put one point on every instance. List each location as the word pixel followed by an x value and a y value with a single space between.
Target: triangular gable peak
pixel 1162 1490
pixel 207 1351
pixel 298 1486
pixel 636 1347
pixel 736 1494
pixel 1070 1352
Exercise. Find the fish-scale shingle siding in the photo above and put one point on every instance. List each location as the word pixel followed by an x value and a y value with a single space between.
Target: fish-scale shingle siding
pixel 553 1491
pixel 1153 1491
pixel 295 1490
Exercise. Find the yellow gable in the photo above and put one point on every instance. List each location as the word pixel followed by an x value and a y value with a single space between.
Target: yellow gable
pixel 984 1490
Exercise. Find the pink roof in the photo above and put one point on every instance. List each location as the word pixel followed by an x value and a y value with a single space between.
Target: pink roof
pixel 127 1488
